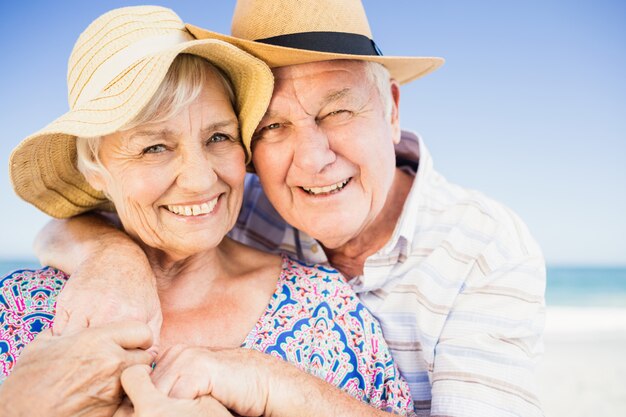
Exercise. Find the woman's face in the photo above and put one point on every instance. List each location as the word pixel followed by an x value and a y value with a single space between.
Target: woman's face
pixel 178 185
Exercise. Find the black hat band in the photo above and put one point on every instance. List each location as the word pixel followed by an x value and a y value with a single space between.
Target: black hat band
pixel 333 42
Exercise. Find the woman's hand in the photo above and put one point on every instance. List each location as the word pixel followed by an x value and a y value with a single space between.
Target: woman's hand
pixel 237 378
pixel 75 374
pixel 251 383
pixel 147 401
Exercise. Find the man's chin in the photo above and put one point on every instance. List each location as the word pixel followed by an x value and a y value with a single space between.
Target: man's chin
pixel 330 238
pixel 332 227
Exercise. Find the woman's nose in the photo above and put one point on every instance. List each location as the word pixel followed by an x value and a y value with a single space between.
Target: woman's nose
pixel 196 171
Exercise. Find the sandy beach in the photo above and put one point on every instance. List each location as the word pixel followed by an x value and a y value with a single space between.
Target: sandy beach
pixel 583 371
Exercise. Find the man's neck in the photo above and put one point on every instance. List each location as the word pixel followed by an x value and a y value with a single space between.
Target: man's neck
pixel 350 258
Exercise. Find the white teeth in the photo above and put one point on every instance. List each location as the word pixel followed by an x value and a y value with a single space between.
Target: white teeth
pixel 327 188
pixel 193 210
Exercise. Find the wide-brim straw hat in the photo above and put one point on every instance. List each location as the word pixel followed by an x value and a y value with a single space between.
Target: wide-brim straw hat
pixel 115 68
pixel 290 32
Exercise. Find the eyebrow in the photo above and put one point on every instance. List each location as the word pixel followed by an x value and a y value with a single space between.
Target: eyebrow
pixel 221 125
pixel 334 96
pixel 149 133
pixel 168 133
pixel 329 98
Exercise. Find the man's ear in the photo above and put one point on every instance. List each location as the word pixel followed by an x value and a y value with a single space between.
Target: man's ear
pixel 395 110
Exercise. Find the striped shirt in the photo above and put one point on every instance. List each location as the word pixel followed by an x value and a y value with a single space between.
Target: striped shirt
pixel 458 290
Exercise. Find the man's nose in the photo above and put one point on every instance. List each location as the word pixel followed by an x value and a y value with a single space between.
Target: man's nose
pixel 312 151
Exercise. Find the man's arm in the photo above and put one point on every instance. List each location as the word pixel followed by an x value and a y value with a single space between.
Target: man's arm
pixel 65 243
pixel 492 339
pixel 111 279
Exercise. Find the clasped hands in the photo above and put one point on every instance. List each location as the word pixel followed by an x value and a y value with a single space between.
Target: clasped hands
pixel 198 381
pixel 88 372
pixel 101 352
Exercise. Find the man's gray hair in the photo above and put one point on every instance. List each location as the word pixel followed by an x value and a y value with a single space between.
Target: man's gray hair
pixel 379 75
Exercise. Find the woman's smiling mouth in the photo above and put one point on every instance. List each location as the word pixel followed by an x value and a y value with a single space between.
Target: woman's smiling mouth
pixel 193 209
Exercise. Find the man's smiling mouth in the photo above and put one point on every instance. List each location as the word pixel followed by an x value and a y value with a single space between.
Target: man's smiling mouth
pixel 327 189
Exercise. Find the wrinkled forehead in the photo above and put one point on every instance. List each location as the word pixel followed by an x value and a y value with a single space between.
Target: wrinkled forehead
pixel 311 86
pixel 347 69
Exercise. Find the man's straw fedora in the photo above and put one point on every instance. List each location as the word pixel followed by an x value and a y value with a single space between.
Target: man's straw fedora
pixel 289 32
pixel 115 68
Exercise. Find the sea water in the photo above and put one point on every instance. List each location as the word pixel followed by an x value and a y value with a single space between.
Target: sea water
pixel 566 286
pixel 586 286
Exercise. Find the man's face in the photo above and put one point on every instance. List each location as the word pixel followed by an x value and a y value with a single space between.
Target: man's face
pixel 324 150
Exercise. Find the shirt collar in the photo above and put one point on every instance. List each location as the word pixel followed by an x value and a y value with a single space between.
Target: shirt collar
pixel 412 149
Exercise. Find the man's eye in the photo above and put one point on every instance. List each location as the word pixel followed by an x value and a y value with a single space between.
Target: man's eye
pixel 268 127
pixel 271 131
pixel 154 149
pixel 336 117
pixel 340 114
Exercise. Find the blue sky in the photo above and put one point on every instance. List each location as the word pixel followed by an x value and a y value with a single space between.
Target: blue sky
pixel 530 107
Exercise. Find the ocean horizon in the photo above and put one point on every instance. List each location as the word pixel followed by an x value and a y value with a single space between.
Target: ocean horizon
pixel 572 286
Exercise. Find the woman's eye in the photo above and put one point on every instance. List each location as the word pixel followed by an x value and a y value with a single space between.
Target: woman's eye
pixel 154 149
pixel 219 137
pixel 272 126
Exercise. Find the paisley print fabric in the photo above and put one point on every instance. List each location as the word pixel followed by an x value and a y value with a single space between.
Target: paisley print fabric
pixel 27 305
pixel 313 320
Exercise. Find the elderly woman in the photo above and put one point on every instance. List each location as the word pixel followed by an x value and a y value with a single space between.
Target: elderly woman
pixel 155 128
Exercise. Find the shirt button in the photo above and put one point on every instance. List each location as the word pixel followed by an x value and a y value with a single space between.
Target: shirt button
pixel 314 248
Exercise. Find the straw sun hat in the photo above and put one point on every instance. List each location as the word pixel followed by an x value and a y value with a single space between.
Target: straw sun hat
pixel 115 68
pixel 289 32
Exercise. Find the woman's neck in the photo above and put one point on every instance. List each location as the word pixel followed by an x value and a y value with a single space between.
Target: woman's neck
pixel 171 268
pixel 213 298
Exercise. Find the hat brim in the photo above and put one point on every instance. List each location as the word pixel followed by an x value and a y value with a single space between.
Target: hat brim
pixel 43 167
pixel 402 69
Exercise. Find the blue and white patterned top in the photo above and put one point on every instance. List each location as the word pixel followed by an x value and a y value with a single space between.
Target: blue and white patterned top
pixel 313 320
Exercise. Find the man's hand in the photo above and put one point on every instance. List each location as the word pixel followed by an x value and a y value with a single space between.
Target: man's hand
pixel 147 401
pixel 77 374
pixel 111 279
pixel 113 285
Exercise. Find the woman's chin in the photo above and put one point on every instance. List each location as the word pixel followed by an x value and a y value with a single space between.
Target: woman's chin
pixel 178 251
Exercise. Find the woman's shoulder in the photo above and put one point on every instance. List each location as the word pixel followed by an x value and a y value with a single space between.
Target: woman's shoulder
pixel 28 290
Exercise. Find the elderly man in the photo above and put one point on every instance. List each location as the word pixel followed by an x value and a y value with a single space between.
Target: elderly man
pixel 454 278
